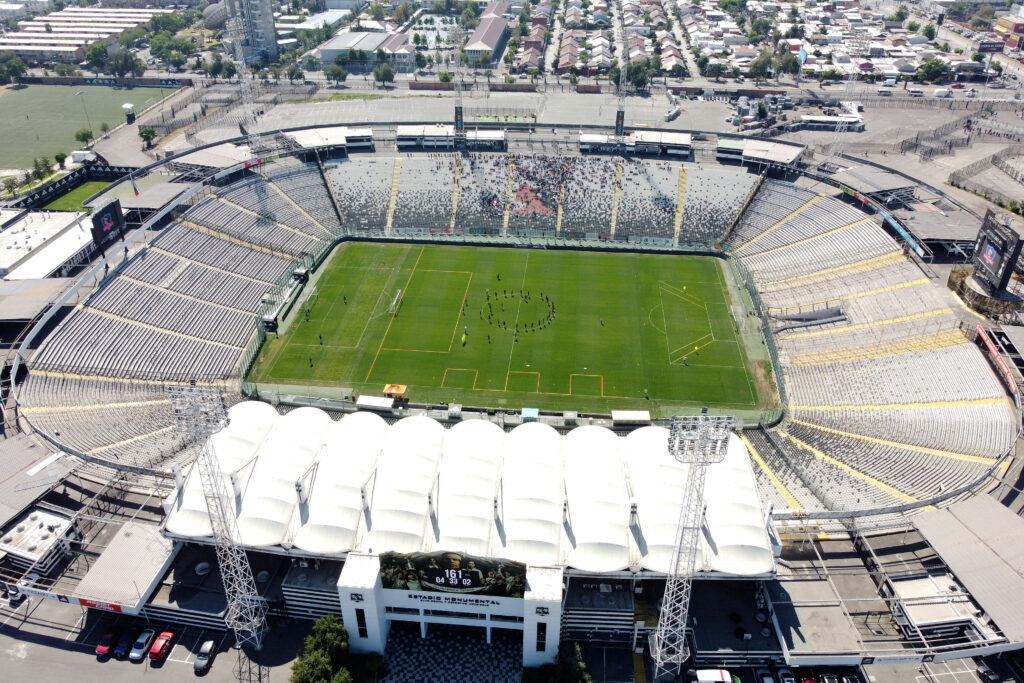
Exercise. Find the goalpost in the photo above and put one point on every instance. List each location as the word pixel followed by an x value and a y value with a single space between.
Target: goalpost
pixel 393 308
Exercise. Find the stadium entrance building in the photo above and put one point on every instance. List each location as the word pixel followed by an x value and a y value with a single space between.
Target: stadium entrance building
pixel 528 529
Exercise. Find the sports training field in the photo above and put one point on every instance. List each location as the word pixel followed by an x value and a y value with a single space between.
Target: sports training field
pixel 596 331
pixel 41 120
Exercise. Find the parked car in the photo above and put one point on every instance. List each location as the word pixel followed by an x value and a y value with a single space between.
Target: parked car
pixel 958 86
pixel 124 644
pixel 105 647
pixel 852 678
pixel 828 678
pixel 141 646
pixel 986 673
pixel 764 676
pixel 785 676
pixel 161 646
pixel 204 658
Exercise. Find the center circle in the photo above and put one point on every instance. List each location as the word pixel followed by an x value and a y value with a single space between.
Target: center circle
pixel 517 311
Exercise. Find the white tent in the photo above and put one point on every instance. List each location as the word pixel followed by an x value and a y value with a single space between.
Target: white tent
pixel 529 495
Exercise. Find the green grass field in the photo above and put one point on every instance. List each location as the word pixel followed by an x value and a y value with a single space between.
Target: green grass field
pixel 41 120
pixel 597 331
pixel 72 201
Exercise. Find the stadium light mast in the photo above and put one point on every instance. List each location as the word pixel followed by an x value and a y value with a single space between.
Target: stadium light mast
pixel 247 79
pixel 199 413
pixel 620 111
pixel 836 150
pixel 695 441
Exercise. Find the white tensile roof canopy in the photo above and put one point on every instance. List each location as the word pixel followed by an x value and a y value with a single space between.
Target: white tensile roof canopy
pixel 415 486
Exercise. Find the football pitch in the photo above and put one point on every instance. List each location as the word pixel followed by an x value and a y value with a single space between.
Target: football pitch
pixel 513 328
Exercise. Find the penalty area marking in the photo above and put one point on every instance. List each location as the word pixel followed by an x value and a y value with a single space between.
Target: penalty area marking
pixel 476 376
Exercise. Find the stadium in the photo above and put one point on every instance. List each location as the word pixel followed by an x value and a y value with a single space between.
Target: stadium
pixel 843 402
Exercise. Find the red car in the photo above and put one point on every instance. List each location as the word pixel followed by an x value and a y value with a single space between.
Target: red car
pixel 161 646
pixel 105 647
pixel 958 86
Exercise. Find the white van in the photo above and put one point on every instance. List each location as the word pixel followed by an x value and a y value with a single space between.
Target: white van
pixel 915 92
pixel 942 92
pixel 716 676
pixel 882 92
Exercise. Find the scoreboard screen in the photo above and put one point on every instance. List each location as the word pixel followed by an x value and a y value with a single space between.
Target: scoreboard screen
pixel 452 572
pixel 107 223
pixel 996 251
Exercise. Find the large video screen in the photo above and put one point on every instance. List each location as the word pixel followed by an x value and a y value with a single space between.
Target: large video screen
pixel 996 251
pixel 451 572
pixel 107 223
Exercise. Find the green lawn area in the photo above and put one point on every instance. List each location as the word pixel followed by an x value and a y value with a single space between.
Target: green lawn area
pixel 72 201
pixel 41 120
pixel 597 331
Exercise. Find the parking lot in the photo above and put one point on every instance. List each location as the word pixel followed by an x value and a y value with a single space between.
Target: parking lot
pixel 43 641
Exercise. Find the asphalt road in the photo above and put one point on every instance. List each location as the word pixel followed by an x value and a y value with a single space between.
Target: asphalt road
pixel 45 641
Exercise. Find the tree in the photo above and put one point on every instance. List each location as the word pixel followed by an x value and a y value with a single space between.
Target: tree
pixel 342 676
pixel 762 111
pixel 702 64
pixel 294 73
pixel 230 70
pixel 330 637
pixel 124 63
pixel 716 70
pixel 83 135
pixel 384 73
pixel 10 185
pixel 978 57
pixel 445 77
pixel 484 59
pixel 336 73
pixel 760 66
pixel 637 73
pixel 11 67
pixel 147 135
pixel 176 59
pixel 96 57
pixel 104 127
pixel 421 60
pixel 900 15
pixel 377 11
pixel 60 158
pixel 933 70
pixel 311 667
pixel 983 17
pixel 787 63
pixel 913 27
pixel 929 31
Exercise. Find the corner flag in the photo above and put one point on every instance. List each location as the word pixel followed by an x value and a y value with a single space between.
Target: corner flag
pixel 134 186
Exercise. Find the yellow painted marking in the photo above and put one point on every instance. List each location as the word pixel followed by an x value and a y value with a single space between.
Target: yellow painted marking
pixel 455 192
pixel 213 232
pixel 509 193
pixel 897 444
pixel 848 269
pixel 206 265
pixel 854 295
pixel 299 207
pixel 792 214
pixel 849 470
pixel 393 200
pixel 130 321
pixel 615 198
pixel 812 238
pixel 138 437
pixel 743 209
pixel 939 340
pixel 864 326
pixel 92 406
pixel 120 380
pixel 790 498
pixel 680 201
pixel 150 285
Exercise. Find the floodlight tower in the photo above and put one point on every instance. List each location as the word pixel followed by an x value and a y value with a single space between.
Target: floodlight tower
pixel 247 80
pixel 200 412
pixel 695 441
pixel 620 88
pixel 836 150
